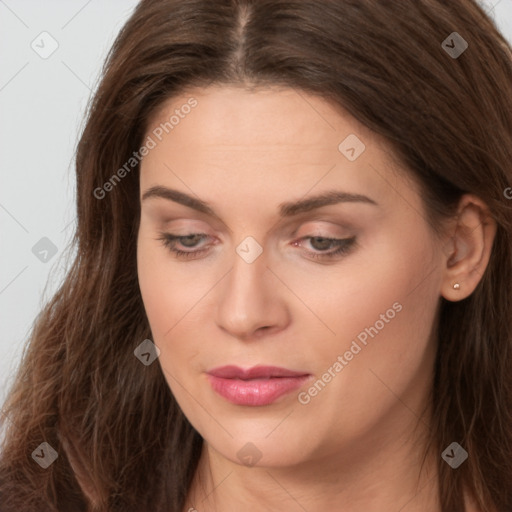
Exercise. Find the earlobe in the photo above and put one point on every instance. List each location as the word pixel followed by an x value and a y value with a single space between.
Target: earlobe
pixel 469 249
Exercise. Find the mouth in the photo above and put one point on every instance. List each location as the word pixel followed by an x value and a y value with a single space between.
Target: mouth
pixel 257 386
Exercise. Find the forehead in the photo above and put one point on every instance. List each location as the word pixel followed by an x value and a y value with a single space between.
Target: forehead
pixel 265 140
pixel 271 116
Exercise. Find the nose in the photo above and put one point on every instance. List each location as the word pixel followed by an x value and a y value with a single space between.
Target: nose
pixel 251 301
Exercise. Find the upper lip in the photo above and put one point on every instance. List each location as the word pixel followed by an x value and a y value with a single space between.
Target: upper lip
pixel 256 372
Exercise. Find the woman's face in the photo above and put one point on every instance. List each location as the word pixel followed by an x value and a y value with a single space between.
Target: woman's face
pixel 261 284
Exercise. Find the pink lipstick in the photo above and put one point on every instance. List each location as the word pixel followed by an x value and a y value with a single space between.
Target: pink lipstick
pixel 259 385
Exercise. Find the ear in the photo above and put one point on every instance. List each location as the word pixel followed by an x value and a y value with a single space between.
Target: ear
pixel 469 249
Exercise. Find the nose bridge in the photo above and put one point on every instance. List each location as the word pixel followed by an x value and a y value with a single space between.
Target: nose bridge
pixel 248 300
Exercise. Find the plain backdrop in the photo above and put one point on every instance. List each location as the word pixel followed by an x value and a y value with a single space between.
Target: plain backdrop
pixel 52 53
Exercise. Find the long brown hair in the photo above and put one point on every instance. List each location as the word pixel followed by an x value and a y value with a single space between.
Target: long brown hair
pixel 123 443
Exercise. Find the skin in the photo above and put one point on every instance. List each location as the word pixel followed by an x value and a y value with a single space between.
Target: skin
pixel 358 444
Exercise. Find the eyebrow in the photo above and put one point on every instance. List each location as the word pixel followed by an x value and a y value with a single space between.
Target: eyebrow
pixel 286 209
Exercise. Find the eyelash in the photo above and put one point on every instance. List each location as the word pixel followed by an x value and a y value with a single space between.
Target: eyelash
pixel 345 245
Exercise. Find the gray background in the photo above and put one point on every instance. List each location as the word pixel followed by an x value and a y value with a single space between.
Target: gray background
pixel 42 104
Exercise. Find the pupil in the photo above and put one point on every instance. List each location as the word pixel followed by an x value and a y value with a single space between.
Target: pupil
pixel 324 242
pixel 189 238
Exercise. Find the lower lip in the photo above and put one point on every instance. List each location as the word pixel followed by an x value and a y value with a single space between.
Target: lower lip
pixel 257 391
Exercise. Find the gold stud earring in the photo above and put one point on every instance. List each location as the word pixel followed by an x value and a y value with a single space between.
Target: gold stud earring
pixel 456 286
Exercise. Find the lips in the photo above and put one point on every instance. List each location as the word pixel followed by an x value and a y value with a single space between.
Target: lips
pixel 256 372
pixel 257 386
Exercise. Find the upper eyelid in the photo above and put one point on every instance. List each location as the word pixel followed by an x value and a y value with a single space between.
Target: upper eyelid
pixel 202 234
pixel 294 224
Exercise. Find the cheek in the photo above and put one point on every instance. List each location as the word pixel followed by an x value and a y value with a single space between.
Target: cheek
pixel 391 267
pixel 173 301
pixel 382 313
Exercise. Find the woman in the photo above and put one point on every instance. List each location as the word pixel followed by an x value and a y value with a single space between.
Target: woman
pixel 291 289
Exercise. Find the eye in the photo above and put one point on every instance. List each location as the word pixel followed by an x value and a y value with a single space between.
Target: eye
pixel 321 244
pixel 189 241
